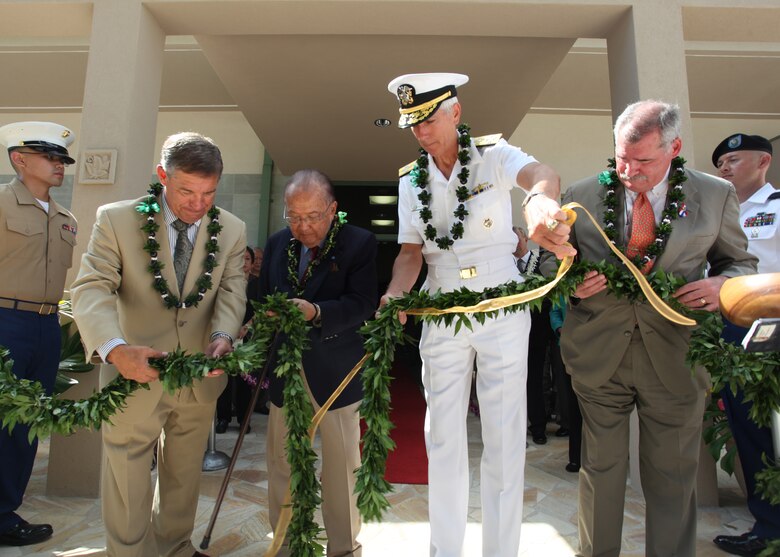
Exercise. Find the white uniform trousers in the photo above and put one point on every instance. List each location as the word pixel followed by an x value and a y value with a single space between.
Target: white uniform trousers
pixel 500 347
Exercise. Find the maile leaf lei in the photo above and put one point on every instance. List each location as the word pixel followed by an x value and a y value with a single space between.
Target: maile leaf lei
pixel 150 207
pixel 675 206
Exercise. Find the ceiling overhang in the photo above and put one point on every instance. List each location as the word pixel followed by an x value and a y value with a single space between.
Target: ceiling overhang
pixel 313 99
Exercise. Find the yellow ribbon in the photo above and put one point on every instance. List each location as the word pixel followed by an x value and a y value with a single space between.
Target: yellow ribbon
pixel 497 303
pixel 285 515
pixel 486 305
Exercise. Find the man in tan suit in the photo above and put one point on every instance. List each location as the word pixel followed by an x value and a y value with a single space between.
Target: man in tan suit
pixel 126 316
pixel 623 355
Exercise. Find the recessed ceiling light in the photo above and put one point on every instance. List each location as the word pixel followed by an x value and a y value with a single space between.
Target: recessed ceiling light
pixel 382 199
pixel 382 222
pixel 381 122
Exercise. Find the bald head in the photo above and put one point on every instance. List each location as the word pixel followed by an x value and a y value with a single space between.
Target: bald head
pixel 310 205
pixel 311 183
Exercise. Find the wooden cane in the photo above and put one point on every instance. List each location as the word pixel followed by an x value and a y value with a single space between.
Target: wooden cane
pixel 204 544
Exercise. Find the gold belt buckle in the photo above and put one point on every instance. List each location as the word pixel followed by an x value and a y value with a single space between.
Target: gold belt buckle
pixel 468 272
pixel 43 310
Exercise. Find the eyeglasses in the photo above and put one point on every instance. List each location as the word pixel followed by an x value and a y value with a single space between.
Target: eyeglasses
pixel 308 219
pixel 50 156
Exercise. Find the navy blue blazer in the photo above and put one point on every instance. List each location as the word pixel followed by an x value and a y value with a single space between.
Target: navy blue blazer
pixel 344 285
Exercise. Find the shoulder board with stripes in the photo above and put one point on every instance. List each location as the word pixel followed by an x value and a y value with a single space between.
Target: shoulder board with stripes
pixel 481 141
pixel 487 140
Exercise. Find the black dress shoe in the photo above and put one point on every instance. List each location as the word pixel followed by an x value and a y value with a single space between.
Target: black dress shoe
pixel 539 438
pixel 573 467
pixel 746 544
pixel 221 425
pixel 25 533
pixel 562 432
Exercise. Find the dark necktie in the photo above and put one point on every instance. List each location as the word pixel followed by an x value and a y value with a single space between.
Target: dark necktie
pixel 312 253
pixel 521 265
pixel 183 252
pixel 642 229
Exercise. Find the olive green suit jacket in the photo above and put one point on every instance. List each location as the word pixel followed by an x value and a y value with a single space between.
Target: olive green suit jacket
pixel 113 295
pixel 597 330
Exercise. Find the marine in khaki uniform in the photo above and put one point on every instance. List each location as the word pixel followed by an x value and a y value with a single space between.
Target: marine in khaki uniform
pixel 36 246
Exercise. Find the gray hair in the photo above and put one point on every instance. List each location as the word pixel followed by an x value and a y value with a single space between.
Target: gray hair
pixel 644 117
pixel 310 179
pixel 192 153
pixel 446 105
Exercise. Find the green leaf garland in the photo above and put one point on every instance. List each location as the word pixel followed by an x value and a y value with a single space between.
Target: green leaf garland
pixel 150 207
pixel 420 175
pixel 674 207
pixel 24 402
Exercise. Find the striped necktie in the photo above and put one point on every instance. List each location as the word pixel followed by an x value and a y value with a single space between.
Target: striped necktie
pixel 182 253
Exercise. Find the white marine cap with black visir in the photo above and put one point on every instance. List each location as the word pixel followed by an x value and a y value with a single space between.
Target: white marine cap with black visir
pixel 43 137
pixel 421 94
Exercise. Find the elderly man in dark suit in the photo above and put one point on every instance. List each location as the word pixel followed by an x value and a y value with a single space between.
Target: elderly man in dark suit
pixel 623 355
pixel 328 270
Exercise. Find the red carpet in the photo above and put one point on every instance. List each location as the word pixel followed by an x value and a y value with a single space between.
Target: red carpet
pixel 408 463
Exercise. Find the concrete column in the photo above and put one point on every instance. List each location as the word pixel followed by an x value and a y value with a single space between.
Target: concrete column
pixel 121 100
pixel 646 54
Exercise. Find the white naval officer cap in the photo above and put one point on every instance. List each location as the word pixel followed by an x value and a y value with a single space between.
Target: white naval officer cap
pixel 43 137
pixel 421 94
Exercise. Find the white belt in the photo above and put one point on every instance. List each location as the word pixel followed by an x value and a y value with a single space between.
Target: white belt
pixel 472 271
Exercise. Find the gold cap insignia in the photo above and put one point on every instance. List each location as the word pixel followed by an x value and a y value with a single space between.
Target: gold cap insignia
pixel 406 94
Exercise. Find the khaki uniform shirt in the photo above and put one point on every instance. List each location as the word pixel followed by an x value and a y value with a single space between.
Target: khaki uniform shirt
pixel 36 249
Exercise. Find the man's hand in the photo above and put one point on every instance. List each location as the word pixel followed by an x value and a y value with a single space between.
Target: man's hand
pixel 216 348
pixel 701 294
pixel 132 362
pixel 593 283
pixel 547 225
pixel 385 299
pixel 306 307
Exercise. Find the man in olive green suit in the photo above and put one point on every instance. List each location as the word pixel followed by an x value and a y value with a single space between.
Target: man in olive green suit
pixel 623 355
pixel 124 320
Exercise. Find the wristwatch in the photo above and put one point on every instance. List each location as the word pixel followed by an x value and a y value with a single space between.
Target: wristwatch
pixel 220 334
pixel 529 197
pixel 316 321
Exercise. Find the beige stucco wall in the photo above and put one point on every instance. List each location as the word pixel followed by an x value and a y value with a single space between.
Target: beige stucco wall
pixel 575 145
pixel 241 149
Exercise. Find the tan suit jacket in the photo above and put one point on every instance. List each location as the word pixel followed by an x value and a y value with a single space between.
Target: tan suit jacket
pixel 597 330
pixel 113 295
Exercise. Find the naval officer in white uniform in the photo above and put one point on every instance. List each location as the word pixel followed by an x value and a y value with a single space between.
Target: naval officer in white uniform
pixel 455 213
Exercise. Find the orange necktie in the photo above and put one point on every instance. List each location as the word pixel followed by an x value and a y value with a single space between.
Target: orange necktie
pixel 642 229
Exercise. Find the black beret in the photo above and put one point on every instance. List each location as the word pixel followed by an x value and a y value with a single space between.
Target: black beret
pixel 741 142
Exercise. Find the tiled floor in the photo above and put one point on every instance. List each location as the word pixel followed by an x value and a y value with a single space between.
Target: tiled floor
pixel 549 527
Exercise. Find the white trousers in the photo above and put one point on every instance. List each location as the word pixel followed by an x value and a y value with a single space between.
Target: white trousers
pixel 500 347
